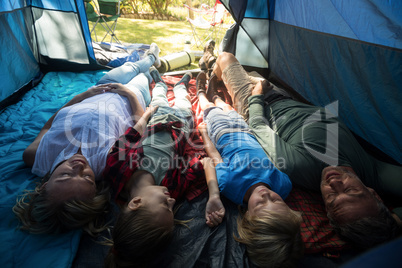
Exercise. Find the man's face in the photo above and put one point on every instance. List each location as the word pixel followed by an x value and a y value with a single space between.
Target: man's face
pixel 345 196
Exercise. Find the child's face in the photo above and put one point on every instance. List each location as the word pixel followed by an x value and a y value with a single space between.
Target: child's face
pixel 157 199
pixel 263 199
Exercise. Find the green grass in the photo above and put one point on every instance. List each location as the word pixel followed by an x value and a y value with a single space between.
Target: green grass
pixel 171 36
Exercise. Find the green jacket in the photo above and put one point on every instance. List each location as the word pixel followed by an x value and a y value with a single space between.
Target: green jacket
pixel 302 139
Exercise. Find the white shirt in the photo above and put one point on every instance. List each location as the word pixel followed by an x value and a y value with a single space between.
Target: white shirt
pixel 94 124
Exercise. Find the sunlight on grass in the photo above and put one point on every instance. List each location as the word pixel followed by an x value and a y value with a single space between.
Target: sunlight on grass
pixel 171 36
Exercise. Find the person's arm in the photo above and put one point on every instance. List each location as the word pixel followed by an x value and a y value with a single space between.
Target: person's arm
pixel 273 145
pixel 215 211
pixel 141 124
pixel 30 152
pixel 287 157
pixel 130 95
pixel 256 110
pixel 209 147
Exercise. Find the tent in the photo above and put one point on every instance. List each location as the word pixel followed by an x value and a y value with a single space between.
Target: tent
pixel 342 54
pixel 347 52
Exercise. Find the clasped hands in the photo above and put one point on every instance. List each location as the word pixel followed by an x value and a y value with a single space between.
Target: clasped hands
pixel 111 87
pixel 261 88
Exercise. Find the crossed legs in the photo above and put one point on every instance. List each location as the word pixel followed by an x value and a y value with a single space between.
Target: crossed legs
pixel 218 102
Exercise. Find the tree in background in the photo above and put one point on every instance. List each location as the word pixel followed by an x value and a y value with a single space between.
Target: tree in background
pixel 130 6
pixel 159 6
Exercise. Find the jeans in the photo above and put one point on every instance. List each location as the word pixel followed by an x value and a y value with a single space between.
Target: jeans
pixel 220 122
pixel 180 110
pixel 132 75
pixel 180 93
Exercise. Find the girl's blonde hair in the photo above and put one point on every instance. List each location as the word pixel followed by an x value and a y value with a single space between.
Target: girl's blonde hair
pixel 38 214
pixel 272 240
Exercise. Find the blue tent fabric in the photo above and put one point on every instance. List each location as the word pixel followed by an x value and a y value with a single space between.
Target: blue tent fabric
pixel 65 5
pixel 385 255
pixel 256 9
pixel 42 33
pixel 85 29
pixel 19 125
pixel 133 57
pixel 348 52
pixel 374 21
pixel 9 5
pixel 368 93
pixel 17 55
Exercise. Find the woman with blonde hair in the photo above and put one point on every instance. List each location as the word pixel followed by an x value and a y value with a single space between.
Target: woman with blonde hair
pixel 71 149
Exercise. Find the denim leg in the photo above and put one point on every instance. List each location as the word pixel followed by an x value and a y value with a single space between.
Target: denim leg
pixel 149 77
pixel 141 83
pixel 216 121
pixel 159 95
pixel 124 73
pixel 181 100
pixel 183 106
pixel 237 120
pixel 220 122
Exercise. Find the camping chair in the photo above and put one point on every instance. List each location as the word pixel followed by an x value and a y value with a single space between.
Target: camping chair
pixel 92 15
pixel 208 22
pixel 106 13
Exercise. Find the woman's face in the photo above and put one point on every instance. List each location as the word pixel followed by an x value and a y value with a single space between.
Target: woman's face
pixel 72 179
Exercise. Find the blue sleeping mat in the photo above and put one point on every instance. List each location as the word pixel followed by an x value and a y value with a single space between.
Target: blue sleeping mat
pixel 19 125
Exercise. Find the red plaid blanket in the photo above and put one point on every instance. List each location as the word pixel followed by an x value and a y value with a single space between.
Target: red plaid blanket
pixel 317 234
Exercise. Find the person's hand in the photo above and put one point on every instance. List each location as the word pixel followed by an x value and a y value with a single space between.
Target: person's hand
pixel 202 127
pixel 150 110
pixel 206 161
pixel 111 87
pixel 257 89
pixel 215 211
pixel 261 87
pixel 118 88
pixel 96 90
